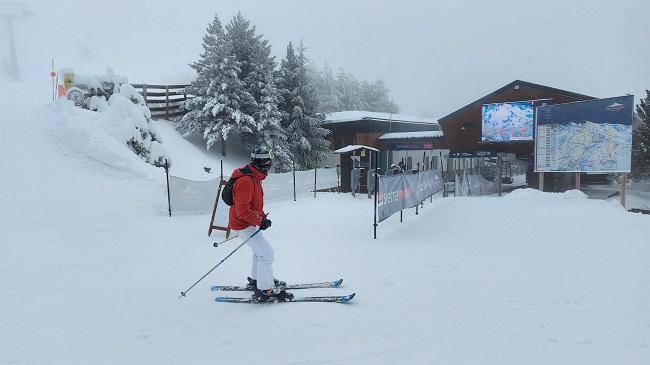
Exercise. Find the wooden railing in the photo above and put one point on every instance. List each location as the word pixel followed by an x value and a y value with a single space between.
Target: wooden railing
pixel 164 101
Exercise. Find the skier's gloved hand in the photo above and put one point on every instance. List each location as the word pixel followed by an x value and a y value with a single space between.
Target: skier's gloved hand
pixel 266 223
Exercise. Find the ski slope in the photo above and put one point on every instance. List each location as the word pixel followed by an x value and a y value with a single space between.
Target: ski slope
pixel 91 268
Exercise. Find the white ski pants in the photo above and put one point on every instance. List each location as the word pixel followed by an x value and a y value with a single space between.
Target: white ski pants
pixel 261 268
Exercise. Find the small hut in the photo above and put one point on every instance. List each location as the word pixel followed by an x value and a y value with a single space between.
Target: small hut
pixel 355 162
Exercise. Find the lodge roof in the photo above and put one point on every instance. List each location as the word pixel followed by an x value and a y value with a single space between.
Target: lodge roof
pixel 514 84
pixel 410 135
pixel 357 115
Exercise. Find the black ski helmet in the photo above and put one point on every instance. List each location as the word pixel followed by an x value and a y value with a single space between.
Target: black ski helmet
pixel 261 159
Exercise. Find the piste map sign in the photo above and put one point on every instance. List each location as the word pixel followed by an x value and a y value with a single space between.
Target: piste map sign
pixel 505 122
pixel 586 136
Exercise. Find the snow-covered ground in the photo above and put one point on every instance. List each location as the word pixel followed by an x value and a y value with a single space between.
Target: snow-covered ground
pixel 91 268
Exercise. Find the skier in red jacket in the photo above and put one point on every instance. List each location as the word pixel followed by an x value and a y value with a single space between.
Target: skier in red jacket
pixel 246 216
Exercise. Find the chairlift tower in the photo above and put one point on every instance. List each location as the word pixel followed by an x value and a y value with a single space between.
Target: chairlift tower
pixel 9 12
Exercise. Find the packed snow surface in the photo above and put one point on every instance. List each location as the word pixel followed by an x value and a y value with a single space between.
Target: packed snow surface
pixel 91 268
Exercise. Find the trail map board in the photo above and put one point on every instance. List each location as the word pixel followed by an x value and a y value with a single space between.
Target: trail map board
pixel 586 136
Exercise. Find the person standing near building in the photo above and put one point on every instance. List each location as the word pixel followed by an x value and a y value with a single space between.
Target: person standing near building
pixel 246 216
pixel 395 170
pixel 402 166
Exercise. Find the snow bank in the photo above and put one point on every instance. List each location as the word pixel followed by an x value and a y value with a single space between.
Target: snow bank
pixel 104 135
pixel 91 269
pixel 191 157
pixel 531 195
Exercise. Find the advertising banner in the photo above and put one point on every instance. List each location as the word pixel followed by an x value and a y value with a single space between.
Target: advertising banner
pixel 403 191
pixel 586 136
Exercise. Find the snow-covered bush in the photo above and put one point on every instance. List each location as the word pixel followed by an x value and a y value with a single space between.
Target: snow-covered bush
pixel 98 85
pixel 125 113
pixel 132 123
pixel 96 103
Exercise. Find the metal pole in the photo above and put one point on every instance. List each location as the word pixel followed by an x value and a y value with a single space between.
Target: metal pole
pixel 216 244
pixel 169 202
pixel 14 71
pixel 294 179
pixel 541 181
pixel 623 188
pixel 376 190
pixel 338 179
pixel 315 168
pixel 499 174
pixel 53 75
pixel 184 293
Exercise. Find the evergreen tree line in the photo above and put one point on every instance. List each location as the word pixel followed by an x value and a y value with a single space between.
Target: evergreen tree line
pixel 344 91
pixel 241 90
pixel 641 140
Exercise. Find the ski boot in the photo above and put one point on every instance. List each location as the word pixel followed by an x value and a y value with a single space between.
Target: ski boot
pixel 252 284
pixel 272 295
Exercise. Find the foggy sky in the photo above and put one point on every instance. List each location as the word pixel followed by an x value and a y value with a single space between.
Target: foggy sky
pixel 434 56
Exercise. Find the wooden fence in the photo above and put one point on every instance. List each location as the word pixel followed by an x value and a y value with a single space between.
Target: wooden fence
pixel 164 101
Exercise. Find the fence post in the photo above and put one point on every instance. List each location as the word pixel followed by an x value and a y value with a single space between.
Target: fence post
pixel 293 168
pixel 167 102
pixel 169 203
pixel 315 169
pixel 338 179
pixel 376 190
pixel 623 189
pixel 144 94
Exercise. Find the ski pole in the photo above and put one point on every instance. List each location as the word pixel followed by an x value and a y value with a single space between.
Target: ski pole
pixel 216 244
pixel 183 293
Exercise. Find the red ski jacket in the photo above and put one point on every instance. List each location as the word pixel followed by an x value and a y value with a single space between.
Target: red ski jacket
pixel 248 197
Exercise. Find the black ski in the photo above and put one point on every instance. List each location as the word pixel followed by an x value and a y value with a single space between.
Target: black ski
pixel 326 284
pixel 325 299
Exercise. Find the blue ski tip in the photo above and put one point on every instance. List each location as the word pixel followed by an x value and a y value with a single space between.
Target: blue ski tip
pixel 337 283
pixel 216 287
pixel 221 299
pixel 347 298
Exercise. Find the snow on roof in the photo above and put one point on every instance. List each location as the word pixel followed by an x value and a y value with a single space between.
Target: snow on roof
pixel 354 147
pixel 352 115
pixel 405 135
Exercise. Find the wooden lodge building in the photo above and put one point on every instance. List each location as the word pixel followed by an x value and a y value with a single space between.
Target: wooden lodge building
pixel 416 140
pixel 462 128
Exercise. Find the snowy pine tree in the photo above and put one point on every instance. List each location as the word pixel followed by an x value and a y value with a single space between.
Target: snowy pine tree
pixel 348 88
pixel 298 107
pixel 253 53
pixel 270 133
pixel 327 95
pixel 216 110
pixel 346 92
pixel 641 140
